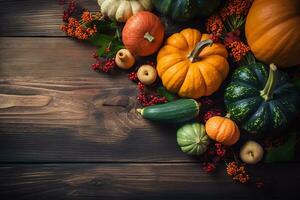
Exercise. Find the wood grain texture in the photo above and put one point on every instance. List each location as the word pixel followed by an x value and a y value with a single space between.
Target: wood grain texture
pixel 44 18
pixel 46 57
pixel 55 110
pixel 35 17
pixel 78 119
pixel 139 181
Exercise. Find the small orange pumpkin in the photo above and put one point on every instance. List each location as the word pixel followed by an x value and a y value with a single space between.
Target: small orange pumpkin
pixel 273 31
pixel 222 130
pixel 143 34
pixel 191 68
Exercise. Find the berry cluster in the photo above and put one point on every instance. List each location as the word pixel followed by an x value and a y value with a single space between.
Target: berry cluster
pixel 237 172
pixel 75 29
pixel 211 113
pixel 104 65
pixel 148 100
pixel 238 50
pixel 69 11
pixel 133 77
pixel 235 7
pixel 215 154
pixel 215 26
pixel 210 108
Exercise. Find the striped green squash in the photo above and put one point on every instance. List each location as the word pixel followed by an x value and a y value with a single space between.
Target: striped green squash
pixel 183 10
pixel 261 100
pixel 192 139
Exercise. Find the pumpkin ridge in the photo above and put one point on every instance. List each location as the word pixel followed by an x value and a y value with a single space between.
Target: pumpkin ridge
pixel 191 33
pixel 176 36
pixel 207 75
pixel 277 46
pixel 261 74
pixel 203 82
pixel 230 131
pixel 265 25
pixel 253 110
pixel 186 142
pixel 277 119
pixel 169 80
pixel 217 130
pixel 185 82
pixel 281 107
pixel 283 52
pixel 265 109
pixel 245 84
pixel 193 149
pixel 196 133
pixel 236 91
pixel 168 61
pixel 205 59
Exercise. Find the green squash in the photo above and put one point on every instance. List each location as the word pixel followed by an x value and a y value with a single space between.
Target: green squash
pixel 192 139
pixel 261 101
pixel 183 10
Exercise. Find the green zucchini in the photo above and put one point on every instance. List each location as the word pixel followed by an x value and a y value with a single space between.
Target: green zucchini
pixel 173 112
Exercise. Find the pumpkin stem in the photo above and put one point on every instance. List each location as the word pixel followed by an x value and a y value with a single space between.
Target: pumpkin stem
pixel 227 115
pixel 267 92
pixel 194 55
pixel 149 37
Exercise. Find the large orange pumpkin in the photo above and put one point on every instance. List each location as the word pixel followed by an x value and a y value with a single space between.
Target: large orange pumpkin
pixel 143 33
pixel 187 65
pixel 273 31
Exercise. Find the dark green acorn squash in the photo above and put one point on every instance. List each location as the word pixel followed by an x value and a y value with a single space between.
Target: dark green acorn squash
pixel 183 10
pixel 261 101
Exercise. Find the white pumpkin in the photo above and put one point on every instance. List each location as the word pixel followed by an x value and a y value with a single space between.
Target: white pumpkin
pixel 121 10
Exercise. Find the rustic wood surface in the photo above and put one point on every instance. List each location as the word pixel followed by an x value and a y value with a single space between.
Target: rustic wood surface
pixel 67 132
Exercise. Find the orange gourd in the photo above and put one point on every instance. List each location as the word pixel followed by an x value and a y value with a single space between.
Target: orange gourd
pixel 273 31
pixel 222 130
pixel 187 65
pixel 143 34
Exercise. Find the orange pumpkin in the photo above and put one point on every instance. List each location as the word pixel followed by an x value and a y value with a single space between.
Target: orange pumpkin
pixel 187 65
pixel 143 34
pixel 222 130
pixel 273 31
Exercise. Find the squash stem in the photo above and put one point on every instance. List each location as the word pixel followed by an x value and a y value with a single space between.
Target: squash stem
pixel 227 115
pixel 149 37
pixel 194 55
pixel 140 110
pixel 267 92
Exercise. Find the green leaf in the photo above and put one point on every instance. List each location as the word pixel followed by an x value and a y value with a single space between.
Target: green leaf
pixel 101 39
pixel 163 92
pixel 101 51
pixel 103 26
pixel 248 59
pixel 284 152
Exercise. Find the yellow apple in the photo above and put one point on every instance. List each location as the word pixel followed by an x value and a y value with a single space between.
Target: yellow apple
pixel 251 152
pixel 147 74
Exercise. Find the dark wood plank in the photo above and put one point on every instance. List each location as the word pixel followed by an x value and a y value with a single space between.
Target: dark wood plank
pixel 51 108
pixel 54 120
pixel 34 17
pixel 137 181
pixel 45 57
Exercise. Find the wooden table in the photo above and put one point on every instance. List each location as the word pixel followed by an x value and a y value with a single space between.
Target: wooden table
pixel 58 140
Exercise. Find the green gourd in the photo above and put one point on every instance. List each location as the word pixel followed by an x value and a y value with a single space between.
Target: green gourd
pixel 183 10
pixel 261 100
pixel 181 110
pixel 192 139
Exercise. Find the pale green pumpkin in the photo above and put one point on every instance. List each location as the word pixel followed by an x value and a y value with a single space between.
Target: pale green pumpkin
pixel 121 10
pixel 192 139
